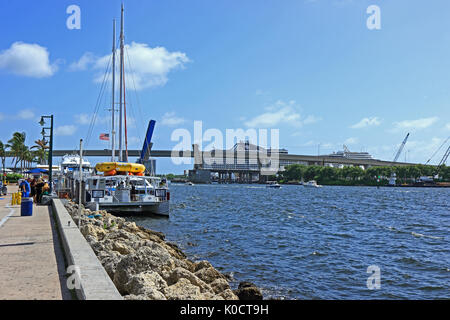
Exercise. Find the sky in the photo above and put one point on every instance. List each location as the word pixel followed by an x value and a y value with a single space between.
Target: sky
pixel 310 68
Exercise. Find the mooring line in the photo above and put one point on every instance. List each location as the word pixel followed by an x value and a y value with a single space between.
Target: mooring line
pixel 7 216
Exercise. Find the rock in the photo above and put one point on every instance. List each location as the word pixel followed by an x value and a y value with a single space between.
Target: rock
pixel 219 285
pixel 180 273
pixel 109 260
pixel 209 274
pixel 202 264
pixel 121 234
pixel 183 290
pixel 130 227
pixel 148 284
pixel 248 291
pixel 229 295
pixel 149 258
pixel 89 229
pixel 174 250
pixel 135 297
pixel 122 247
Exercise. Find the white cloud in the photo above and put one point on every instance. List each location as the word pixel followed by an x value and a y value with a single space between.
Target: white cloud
pixel 1 116
pixel 281 113
pixel 30 60
pixel 145 67
pixel 170 119
pixel 447 126
pixel 415 124
pixel 311 119
pixel 82 118
pixel 26 114
pixel 67 130
pixel 85 119
pixel 365 122
pixel 351 141
pixel 82 64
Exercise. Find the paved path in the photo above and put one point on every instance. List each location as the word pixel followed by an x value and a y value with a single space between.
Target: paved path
pixel 31 257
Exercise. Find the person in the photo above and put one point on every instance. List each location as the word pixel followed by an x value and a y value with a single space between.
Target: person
pixel 39 186
pixel 33 189
pixel 45 188
pixel 133 193
pixel 25 188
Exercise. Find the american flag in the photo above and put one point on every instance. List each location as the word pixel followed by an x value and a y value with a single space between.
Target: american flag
pixel 104 136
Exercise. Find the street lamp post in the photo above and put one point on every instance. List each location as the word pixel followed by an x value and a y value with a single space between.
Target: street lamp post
pixel 50 152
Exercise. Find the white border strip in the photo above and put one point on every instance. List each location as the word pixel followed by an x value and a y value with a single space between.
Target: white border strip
pixel 8 216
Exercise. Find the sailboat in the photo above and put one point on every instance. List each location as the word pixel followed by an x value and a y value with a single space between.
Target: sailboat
pixel 123 188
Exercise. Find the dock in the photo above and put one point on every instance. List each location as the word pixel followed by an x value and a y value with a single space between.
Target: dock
pixel 32 265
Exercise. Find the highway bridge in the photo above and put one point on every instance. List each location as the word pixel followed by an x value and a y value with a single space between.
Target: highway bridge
pixel 283 157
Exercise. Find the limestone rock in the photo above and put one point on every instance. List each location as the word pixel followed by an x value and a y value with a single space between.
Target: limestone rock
pixel 248 291
pixel 183 290
pixel 229 295
pixel 219 285
pixel 209 274
pixel 149 258
pixel 180 273
pixel 148 284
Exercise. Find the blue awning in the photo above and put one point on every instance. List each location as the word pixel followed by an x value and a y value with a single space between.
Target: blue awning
pixel 37 170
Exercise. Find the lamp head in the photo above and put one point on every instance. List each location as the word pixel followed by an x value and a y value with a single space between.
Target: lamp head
pixel 42 122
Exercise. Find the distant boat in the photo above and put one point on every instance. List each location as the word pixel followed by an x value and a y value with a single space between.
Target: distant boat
pixel 273 185
pixel 312 184
pixel 189 183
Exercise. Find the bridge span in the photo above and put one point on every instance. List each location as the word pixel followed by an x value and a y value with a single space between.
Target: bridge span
pixel 283 157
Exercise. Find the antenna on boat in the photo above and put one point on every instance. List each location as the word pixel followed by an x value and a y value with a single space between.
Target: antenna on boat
pixel 113 132
pixel 121 86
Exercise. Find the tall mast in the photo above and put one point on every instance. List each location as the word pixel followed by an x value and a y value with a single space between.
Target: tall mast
pixel 113 133
pixel 121 86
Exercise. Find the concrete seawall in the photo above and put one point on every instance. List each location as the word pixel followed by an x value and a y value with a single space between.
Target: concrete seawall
pixel 93 281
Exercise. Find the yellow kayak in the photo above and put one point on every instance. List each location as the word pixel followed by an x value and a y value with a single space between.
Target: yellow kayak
pixel 120 167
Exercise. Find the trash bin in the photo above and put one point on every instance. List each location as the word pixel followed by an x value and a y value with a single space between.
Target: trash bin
pixel 26 207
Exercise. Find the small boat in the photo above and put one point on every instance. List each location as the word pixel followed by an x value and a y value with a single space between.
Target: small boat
pixel 273 185
pixel 312 184
pixel 129 194
pixel 189 183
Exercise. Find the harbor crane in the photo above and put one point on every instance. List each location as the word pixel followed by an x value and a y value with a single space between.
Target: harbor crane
pixel 401 148
pixel 443 160
pixel 393 179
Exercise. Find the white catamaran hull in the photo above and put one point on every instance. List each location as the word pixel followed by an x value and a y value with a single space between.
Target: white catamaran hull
pixel 137 208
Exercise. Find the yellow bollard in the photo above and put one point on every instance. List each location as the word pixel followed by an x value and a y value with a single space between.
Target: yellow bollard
pixel 19 198
pixel 12 199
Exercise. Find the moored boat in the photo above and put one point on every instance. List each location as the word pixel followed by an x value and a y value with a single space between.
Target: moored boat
pixel 312 184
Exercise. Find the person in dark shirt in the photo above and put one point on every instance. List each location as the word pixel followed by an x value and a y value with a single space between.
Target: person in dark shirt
pixel 33 189
pixel 39 186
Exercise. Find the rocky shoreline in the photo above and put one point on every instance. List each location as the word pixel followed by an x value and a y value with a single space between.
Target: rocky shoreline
pixel 144 266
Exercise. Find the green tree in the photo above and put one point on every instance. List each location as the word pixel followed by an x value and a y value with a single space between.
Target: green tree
pixel 41 152
pixel 17 147
pixel 3 148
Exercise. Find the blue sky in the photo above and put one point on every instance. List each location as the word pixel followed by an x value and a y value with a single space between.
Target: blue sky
pixel 310 68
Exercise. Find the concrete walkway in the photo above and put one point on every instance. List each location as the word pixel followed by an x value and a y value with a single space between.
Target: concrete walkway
pixel 31 257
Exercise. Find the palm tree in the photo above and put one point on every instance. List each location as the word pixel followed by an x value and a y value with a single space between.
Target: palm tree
pixel 17 146
pixel 41 153
pixel 3 148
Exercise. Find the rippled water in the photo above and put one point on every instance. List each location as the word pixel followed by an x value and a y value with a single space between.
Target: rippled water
pixel 308 243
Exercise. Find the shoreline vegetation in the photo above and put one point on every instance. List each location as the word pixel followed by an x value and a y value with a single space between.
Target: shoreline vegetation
pixel 351 176
pixel 144 266
pixel 356 176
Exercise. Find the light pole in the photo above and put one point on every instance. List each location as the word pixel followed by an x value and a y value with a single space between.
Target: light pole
pixel 50 152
